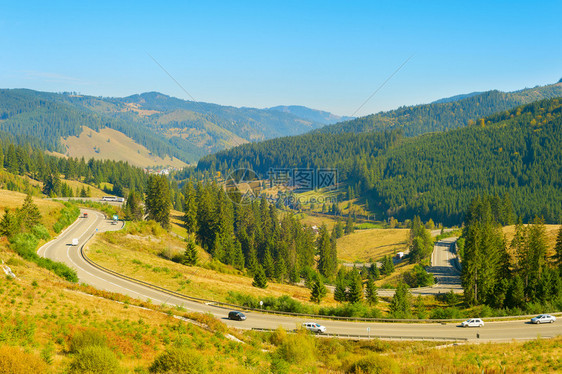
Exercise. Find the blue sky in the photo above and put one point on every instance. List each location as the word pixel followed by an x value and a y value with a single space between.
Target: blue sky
pixel 327 55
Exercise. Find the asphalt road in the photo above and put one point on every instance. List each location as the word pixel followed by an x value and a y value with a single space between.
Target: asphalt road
pixel 60 249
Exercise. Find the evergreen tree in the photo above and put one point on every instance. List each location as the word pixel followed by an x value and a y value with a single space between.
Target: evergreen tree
pixel 191 255
pixel 238 256
pixel 401 304
pixel 326 261
pixel 340 292
pixel 371 291
pixel 349 225
pixel 190 207
pixel 387 267
pixel 318 291
pixel 268 264
pixel 9 225
pixel 133 207
pixel 374 271
pixel 339 229
pixel 29 214
pixel 260 280
pixel 355 290
pixel 158 200
pixel 280 270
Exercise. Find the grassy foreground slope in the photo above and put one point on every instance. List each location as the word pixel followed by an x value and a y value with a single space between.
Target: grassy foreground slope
pixel 48 325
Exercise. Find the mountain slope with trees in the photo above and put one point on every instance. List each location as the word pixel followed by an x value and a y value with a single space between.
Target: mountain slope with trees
pixel 445 114
pixel 165 125
pixel 516 152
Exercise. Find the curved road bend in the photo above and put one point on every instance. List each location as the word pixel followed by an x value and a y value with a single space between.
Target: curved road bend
pixel 61 249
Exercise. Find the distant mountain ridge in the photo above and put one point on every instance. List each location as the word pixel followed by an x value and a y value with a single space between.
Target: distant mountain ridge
pixel 314 115
pixel 445 114
pixel 165 125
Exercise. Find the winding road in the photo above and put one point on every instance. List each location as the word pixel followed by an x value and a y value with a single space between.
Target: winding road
pixel 61 249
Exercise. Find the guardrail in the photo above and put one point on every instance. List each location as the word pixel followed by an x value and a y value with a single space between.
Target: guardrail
pixel 374 336
pixel 289 314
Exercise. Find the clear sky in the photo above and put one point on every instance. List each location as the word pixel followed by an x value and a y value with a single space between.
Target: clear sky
pixel 329 55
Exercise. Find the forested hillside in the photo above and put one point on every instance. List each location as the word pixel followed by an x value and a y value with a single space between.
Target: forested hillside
pixel 165 125
pixel 445 114
pixel 516 152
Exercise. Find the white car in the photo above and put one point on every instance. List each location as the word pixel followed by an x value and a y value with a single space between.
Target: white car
pixel 543 318
pixel 314 327
pixel 473 322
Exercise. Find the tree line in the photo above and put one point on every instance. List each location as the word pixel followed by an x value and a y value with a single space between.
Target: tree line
pixel 505 274
pixel 514 153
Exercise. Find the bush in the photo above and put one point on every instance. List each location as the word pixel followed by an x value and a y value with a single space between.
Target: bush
pixel 373 364
pixel 87 338
pixel 40 232
pixel 25 244
pixel 68 214
pixel 298 348
pixel 95 359
pixel 14 361
pixel 447 313
pixel 178 360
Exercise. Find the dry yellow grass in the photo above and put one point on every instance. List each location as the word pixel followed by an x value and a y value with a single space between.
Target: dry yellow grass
pixel 363 245
pixel 49 209
pixel 114 145
pixel 138 256
pixel 76 185
pixel 551 233
pixel 318 221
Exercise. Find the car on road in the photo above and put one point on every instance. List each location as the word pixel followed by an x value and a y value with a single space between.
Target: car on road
pixel 236 316
pixel 314 327
pixel 543 318
pixel 473 322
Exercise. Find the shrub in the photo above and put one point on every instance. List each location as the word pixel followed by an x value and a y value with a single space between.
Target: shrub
pixel 24 244
pixel 95 359
pixel 14 361
pixel 178 360
pixel 373 364
pixel 68 214
pixel 298 348
pixel 86 338
pixel 40 232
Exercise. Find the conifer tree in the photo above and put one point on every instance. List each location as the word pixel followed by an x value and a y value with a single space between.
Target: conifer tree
pixel 318 291
pixel 401 303
pixel 29 214
pixel 355 290
pixel 325 250
pixel 349 225
pixel 190 208
pixel 340 292
pixel 260 280
pixel 158 200
pixel 371 294
pixel 190 256
pixel 133 206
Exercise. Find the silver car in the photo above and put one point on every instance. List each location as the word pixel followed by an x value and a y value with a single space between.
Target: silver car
pixel 314 327
pixel 473 322
pixel 543 318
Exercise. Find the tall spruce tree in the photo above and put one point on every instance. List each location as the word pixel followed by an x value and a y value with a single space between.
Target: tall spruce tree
pixel 355 290
pixel 190 256
pixel 158 200
pixel 260 280
pixel 371 294
pixel 401 303
pixel 326 261
pixel 318 291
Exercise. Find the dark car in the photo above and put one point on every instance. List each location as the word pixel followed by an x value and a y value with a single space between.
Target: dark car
pixel 236 316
